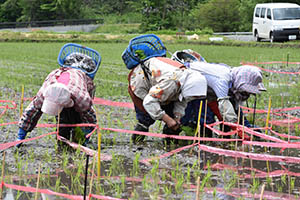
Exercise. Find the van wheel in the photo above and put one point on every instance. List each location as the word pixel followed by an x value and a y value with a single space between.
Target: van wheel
pixel 272 38
pixel 257 38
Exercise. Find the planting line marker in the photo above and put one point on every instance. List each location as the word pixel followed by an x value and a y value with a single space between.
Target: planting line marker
pixel 86 174
pixel 268 116
pixel 198 130
pixel 198 188
pixel 204 126
pixel 266 132
pixel 99 147
pixel 198 124
pixel 262 192
pixel 236 143
pixel 2 175
pixel 37 183
pixel 99 152
pixel 92 178
pixel 57 127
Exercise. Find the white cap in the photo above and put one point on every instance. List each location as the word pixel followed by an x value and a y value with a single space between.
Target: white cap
pixel 56 97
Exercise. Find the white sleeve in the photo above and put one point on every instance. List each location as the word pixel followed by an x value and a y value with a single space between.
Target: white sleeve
pixel 227 110
pixel 161 93
pixel 179 107
pixel 153 108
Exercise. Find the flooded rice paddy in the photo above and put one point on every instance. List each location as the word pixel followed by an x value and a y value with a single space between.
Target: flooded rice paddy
pixel 152 170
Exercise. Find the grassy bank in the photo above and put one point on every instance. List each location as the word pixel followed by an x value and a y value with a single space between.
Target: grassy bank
pixel 28 63
pixel 106 34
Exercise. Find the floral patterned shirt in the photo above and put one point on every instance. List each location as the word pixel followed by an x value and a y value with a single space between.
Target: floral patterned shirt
pixel 159 86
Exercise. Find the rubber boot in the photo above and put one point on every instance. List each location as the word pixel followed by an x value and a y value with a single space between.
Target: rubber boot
pixel 21 136
pixel 139 138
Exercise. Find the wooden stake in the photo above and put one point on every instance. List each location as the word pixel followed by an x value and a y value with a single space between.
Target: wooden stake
pixel 288 150
pixel 85 177
pixel 243 132
pixel 262 192
pixel 268 116
pixel 198 188
pixel 205 113
pixel 204 127
pixel 37 184
pixel 99 152
pixel 198 125
pixel 92 178
pixel 198 122
pixel 99 148
pixel 266 132
pixel 254 110
pixel 57 128
pixel 2 175
pixel 236 142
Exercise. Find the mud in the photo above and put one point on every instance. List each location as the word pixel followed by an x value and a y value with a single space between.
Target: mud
pixel 154 181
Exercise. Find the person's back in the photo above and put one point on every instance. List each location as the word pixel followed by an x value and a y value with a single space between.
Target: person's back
pixel 154 71
pixel 159 87
pixel 218 76
pixel 68 92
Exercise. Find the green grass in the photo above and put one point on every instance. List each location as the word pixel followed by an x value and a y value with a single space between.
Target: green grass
pixel 29 63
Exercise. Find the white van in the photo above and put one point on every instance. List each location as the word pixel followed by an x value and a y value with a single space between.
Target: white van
pixel 276 21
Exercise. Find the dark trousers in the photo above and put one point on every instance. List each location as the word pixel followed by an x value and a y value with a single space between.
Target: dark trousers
pixel 191 115
pixel 146 120
pixel 68 116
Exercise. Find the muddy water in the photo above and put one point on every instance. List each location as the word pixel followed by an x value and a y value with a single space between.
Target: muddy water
pixel 172 178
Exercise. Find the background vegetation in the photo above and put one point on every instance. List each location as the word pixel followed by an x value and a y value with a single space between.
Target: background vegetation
pixel 177 15
pixel 28 57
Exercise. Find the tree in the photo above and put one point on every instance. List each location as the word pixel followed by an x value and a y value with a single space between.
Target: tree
pixel 246 13
pixel 163 14
pixel 181 14
pixel 219 15
pixel 63 9
pixel 31 10
pixel 10 11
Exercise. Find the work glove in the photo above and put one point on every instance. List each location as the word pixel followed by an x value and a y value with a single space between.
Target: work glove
pixel 170 131
pixel 171 123
pixel 21 136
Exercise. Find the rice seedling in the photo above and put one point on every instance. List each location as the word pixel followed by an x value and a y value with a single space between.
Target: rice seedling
pixel 166 183
pixel 136 168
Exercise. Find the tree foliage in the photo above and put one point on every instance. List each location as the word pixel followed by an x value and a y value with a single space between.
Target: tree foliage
pixel 177 15
pixel 220 15
pixel 10 10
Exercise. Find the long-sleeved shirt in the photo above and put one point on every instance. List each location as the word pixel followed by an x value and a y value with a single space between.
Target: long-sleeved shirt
pixel 82 91
pixel 160 87
pixel 219 82
pixel 218 76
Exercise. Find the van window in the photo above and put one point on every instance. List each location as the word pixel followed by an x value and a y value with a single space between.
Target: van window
pixel 269 13
pixel 257 12
pixel 263 13
pixel 286 13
